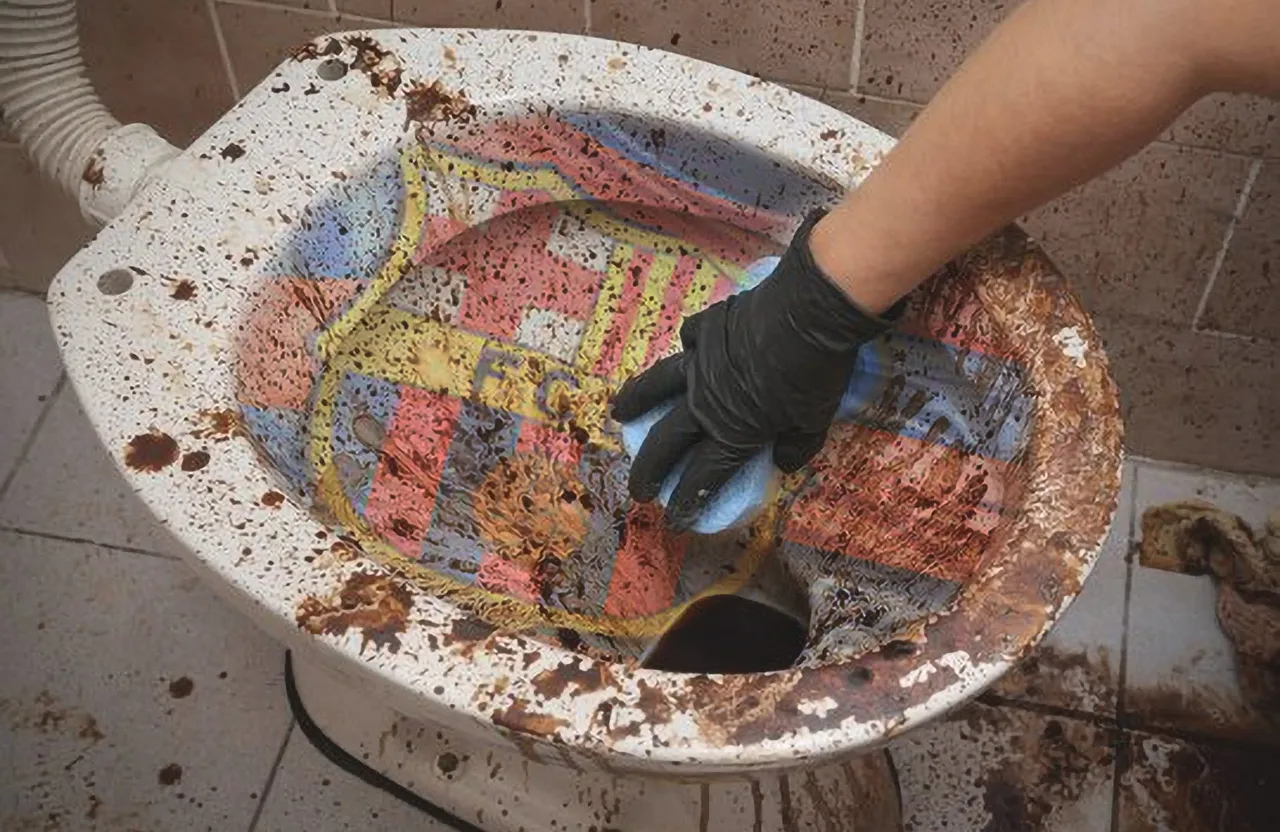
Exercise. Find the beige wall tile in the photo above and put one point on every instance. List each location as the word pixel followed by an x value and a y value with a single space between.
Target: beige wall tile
pixel 802 41
pixel 913 46
pixel 1246 296
pixel 156 62
pixel 40 228
pixel 1238 123
pixel 1141 239
pixel 370 8
pixel 542 15
pixel 1195 398
pixel 892 117
pixel 258 38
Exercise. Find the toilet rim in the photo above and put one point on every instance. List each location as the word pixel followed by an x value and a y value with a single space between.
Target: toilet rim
pixel 145 362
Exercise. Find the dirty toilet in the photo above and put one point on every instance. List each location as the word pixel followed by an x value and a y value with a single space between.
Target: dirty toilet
pixel 355 349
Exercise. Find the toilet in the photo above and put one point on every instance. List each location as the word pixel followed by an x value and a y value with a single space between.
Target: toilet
pixel 355 349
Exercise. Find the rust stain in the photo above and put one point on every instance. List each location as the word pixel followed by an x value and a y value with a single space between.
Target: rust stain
pixel 183 290
pixel 371 59
pixel 429 103
pixel 272 499
pixel 317 48
pixel 377 605
pixel 552 684
pixel 181 687
pixel 828 135
pixel 194 460
pixel 1062 678
pixel 94 173
pixel 219 424
pixel 517 717
pixel 170 774
pixel 150 452
pixel 232 152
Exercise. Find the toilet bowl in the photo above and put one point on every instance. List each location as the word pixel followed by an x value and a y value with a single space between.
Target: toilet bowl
pixel 355 350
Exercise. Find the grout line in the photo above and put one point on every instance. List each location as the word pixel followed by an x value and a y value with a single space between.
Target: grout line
pixel 1204 148
pixel 1234 336
pixel 1221 256
pixel 66 538
pixel 1121 757
pixel 223 52
pixel 587 23
pixel 30 439
pixel 271 777
pixel 1190 468
pixel 1045 709
pixel 855 60
pixel 259 4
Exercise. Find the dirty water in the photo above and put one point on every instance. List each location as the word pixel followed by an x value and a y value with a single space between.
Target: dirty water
pixel 428 363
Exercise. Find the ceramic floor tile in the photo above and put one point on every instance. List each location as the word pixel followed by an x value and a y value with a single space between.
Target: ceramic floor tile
pixel 1005 769
pixel 311 793
pixel 1181 670
pixel 1249 497
pixel 67 485
pixel 1170 785
pixel 29 369
pixel 1078 663
pixel 131 698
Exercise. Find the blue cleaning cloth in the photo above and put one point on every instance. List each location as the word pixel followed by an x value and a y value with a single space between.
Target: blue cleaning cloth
pixel 737 500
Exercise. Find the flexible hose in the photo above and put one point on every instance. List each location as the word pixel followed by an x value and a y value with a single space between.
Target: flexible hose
pixel 45 94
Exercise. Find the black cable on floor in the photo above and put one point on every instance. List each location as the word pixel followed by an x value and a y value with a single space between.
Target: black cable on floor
pixel 344 760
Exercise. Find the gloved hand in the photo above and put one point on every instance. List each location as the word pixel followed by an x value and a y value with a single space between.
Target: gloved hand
pixel 770 364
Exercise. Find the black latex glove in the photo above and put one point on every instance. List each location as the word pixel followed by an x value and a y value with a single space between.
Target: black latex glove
pixel 770 364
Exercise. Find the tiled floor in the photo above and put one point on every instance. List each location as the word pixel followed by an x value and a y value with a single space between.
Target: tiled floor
pixel 132 698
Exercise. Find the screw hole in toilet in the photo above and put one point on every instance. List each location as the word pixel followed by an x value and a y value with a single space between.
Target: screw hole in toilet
pixel 447 763
pixel 331 70
pixel 115 282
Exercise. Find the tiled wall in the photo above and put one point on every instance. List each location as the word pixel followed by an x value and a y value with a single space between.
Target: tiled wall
pixel 1171 252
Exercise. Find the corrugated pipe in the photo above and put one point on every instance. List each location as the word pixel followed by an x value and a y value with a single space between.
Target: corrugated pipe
pixel 51 107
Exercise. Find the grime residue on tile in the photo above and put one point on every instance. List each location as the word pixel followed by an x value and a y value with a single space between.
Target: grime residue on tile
pixel 1004 768
pixel 1172 784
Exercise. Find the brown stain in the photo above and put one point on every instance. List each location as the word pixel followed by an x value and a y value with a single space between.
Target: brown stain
pixel 1049 762
pixel 272 499
pixel 1061 678
pixel 1200 788
pixel 517 717
pixel 552 684
pixel 371 59
pixel 317 48
pixel 616 63
pixel 218 424
pixel 94 173
pixel 183 290
pixel 181 687
pixel 95 803
pixel 169 775
pixel 194 460
pixel 150 452
pixel 431 103
pixel 1190 707
pixel 232 152
pixel 376 605
pixel 89 729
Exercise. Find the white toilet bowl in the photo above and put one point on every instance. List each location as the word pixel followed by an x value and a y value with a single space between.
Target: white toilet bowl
pixel 355 351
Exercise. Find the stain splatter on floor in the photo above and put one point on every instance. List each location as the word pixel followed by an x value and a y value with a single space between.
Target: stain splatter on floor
pixel 1178 785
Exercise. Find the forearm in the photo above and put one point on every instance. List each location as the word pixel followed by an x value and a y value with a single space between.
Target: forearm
pixel 1062 91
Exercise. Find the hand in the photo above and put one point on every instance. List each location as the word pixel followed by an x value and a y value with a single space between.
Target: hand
pixel 769 365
